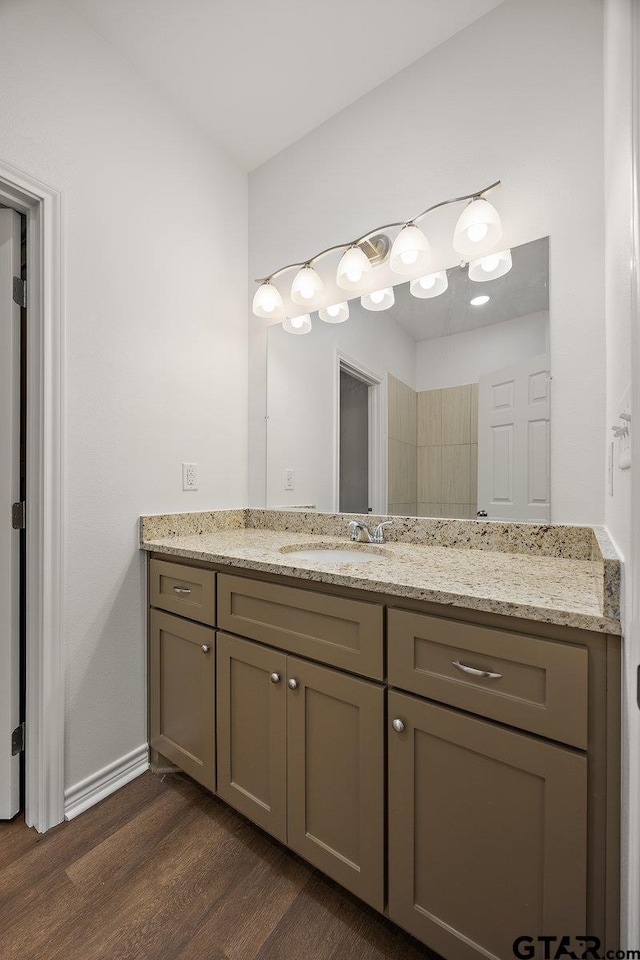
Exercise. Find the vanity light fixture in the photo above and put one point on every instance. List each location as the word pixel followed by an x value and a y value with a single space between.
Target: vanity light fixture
pixel 410 253
pixel 354 269
pixel 307 287
pixel 478 227
pixel 379 299
pixel 267 302
pixel 491 267
pixel 336 313
pixel 430 286
pixel 479 301
pixel 298 325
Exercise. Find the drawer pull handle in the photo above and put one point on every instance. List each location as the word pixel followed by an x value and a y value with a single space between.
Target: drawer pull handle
pixel 205 648
pixel 182 589
pixel 397 725
pixel 487 674
pixel 293 684
pixel 275 678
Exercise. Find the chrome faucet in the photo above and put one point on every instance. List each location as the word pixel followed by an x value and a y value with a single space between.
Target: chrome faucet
pixel 360 533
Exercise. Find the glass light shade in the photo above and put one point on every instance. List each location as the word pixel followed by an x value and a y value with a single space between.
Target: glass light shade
pixel 336 313
pixel 478 228
pixel 354 269
pixel 430 286
pixel 267 302
pixel 379 299
pixel 307 287
pixel 410 252
pixel 490 267
pixel 479 301
pixel 298 325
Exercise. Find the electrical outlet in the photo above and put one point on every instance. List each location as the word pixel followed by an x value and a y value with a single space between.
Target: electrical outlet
pixel 288 479
pixel 189 476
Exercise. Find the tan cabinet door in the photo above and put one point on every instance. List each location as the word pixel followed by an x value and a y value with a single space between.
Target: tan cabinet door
pixel 335 753
pixel 252 730
pixel 182 694
pixel 487 832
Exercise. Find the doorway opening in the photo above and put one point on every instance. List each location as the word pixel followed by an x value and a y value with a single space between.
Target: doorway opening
pixel 31 539
pixel 360 440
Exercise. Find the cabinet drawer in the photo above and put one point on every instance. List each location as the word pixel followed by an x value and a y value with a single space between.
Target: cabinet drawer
pixel 187 591
pixel 344 633
pixel 539 685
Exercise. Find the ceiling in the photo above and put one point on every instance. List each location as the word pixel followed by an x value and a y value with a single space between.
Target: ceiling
pixel 257 75
pixel 524 290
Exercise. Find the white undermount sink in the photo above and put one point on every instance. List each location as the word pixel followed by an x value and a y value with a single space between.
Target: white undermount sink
pixel 334 554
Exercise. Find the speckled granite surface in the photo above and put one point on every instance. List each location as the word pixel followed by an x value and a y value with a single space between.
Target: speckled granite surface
pixel 553 574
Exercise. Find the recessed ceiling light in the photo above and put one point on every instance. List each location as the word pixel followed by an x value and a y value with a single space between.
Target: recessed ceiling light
pixel 479 301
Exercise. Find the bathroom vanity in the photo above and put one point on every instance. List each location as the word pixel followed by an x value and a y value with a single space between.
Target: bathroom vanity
pixel 435 727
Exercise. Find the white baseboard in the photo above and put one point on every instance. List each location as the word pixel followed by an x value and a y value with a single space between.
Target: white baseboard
pixel 99 785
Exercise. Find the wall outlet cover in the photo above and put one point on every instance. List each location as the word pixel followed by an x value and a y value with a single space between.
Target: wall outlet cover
pixel 189 476
pixel 288 479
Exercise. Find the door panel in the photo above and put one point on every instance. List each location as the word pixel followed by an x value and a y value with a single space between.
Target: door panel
pixel 335 776
pixel 9 493
pixel 513 442
pixel 487 832
pixel 251 731
pixel 182 680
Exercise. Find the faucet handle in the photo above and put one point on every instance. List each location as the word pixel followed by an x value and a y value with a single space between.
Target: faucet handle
pixel 378 536
pixel 359 532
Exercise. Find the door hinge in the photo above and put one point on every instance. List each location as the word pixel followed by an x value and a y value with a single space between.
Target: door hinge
pixel 20 291
pixel 19 516
pixel 17 740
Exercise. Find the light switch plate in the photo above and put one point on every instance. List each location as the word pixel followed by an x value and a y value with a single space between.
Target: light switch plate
pixel 189 476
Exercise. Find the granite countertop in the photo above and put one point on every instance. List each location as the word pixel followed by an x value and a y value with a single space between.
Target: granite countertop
pixel 577 585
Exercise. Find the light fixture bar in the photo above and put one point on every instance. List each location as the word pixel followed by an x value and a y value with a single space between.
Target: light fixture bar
pixel 366 236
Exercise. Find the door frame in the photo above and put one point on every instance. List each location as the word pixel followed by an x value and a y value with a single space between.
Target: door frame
pixel 42 206
pixel 377 431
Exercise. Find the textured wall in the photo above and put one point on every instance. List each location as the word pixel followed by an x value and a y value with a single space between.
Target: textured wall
pixel 517 95
pixel 155 308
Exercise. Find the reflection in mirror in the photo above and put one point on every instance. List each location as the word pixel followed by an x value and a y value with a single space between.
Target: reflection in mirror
pixel 437 405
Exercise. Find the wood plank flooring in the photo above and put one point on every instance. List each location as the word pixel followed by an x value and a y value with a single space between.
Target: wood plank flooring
pixel 162 870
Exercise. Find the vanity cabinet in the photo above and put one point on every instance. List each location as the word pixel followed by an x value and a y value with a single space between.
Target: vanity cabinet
pixel 182 694
pixel 456 770
pixel 487 832
pixel 301 752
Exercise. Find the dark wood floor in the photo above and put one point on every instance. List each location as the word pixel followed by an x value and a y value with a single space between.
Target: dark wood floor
pixel 161 870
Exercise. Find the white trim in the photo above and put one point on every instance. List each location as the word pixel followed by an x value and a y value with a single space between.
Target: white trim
pixel 377 431
pixel 45 541
pixel 104 782
pixel 631 717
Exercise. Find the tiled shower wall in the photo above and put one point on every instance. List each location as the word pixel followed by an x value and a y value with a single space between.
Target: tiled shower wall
pixel 433 450
pixel 447 461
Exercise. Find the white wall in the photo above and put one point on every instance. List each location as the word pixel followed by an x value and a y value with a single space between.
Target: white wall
pixel 517 96
pixel 302 394
pixel 465 357
pixel 622 42
pixel 155 261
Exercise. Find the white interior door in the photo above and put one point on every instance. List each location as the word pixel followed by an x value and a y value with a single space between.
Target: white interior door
pixel 513 442
pixel 9 494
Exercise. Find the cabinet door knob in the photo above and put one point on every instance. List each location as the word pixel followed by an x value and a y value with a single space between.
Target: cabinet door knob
pixel 293 683
pixel 275 678
pixel 397 725
pixel 205 648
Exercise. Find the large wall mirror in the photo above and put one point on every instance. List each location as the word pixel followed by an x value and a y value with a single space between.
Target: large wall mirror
pixel 437 406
